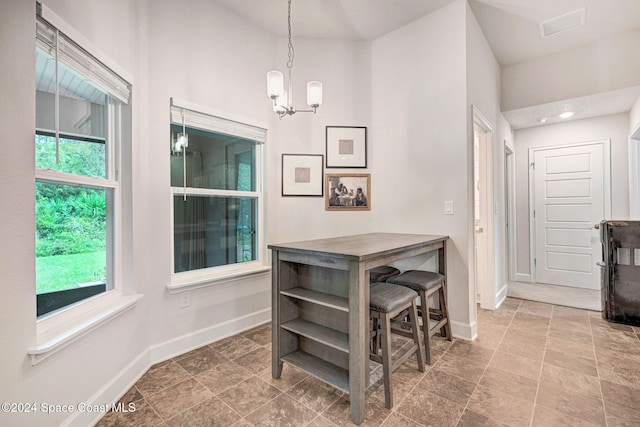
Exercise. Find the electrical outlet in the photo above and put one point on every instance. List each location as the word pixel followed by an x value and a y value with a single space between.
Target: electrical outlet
pixel 185 299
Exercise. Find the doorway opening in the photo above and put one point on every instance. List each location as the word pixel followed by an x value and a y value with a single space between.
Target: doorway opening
pixel 483 208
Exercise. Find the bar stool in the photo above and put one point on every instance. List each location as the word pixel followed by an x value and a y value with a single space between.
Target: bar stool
pixel 382 273
pixel 426 284
pixel 388 302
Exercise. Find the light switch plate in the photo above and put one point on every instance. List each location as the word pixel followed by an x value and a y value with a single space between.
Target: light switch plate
pixel 448 207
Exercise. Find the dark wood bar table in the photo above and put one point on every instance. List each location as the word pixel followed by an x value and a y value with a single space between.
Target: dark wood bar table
pixel 320 304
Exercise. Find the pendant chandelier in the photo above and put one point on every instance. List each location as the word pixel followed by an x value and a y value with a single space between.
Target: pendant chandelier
pixel 282 100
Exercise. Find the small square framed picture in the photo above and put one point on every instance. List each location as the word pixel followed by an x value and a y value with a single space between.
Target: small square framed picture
pixel 346 147
pixel 302 175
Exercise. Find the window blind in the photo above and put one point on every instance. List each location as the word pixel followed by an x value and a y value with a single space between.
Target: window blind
pixel 81 61
pixel 208 122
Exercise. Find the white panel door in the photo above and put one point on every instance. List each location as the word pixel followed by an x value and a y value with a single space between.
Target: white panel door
pixel 569 200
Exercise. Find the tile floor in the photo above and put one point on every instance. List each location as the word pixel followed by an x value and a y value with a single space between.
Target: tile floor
pixel 533 364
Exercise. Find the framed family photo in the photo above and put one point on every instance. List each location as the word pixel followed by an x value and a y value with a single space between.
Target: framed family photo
pixel 346 147
pixel 302 175
pixel 348 192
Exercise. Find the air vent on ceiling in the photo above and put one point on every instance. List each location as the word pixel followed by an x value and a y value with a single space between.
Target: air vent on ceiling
pixel 562 23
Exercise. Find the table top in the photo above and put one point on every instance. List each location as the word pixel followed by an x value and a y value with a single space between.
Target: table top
pixel 361 246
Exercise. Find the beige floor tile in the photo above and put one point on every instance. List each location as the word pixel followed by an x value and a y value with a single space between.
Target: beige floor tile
pixel 474 419
pixel 399 391
pixel 235 346
pixel 571 346
pixel 260 335
pixel 489 336
pixel 531 318
pixel 448 386
pixel 397 420
pixel 467 369
pixel 340 413
pixel 320 421
pixel 255 361
pixel 621 416
pixel 179 397
pixel 571 381
pixel 570 361
pixel 407 373
pixel 143 416
pixel 160 376
pixel 502 406
pixel 315 394
pixel 289 377
pixel 210 413
pixel 509 383
pixel 570 314
pixel 470 351
pixel 570 403
pixel 223 376
pixel 544 417
pixel 515 335
pixel 619 369
pixel 517 365
pixel 282 411
pixel 200 361
pixel 523 348
pixel 249 395
pixel 430 409
pixel 620 394
pixel 537 308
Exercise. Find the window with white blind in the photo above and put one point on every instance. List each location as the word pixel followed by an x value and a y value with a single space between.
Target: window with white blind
pixel 216 195
pixel 79 114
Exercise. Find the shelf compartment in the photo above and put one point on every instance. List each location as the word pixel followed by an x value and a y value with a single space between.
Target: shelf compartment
pixel 327 336
pixel 321 298
pixel 324 371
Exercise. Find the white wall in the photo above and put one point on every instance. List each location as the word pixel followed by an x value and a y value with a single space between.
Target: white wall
pixel 344 69
pixel 483 80
pixel 598 67
pixel 420 140
pixel 615 127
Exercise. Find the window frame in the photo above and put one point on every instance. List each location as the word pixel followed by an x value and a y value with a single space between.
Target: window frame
pixel 55 324
pixel 209 276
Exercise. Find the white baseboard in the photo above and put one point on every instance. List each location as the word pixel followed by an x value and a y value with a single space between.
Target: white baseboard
pixel 522 277
pixel 501 295
pixel 191 341
pixel 123 381
pixel 464 331
pixel 111 392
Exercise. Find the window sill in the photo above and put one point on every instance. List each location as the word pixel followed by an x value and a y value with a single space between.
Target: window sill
pixel 187 283
pixel 56 341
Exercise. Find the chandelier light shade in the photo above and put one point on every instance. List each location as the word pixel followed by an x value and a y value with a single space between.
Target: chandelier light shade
pixel 282 100
pixel 314 94
pixel 275 84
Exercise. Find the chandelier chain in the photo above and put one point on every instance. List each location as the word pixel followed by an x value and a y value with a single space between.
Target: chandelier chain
pixel 291 52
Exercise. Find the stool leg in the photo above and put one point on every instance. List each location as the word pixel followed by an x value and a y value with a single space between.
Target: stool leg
pixel 386 359
pixel 415 328
pixel 426 324
pixel 446 329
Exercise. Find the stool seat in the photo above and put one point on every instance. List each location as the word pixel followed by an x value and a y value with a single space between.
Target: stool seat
pixel 382 273
pixel 385 297
pixel 418 280
pixel 428 284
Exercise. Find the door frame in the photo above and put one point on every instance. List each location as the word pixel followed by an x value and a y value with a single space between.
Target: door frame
pixel 510 209
pixel 634 174
pixel 487 288
pixel 606 160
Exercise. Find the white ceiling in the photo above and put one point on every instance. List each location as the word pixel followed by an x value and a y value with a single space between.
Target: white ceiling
pixel 512 28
